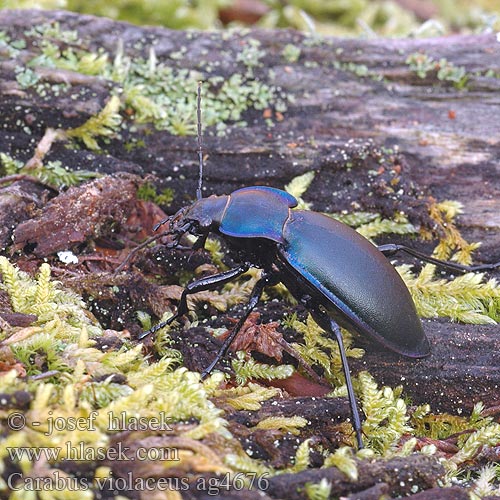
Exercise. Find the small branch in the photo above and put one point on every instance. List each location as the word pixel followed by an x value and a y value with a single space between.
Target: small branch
pixel 43 147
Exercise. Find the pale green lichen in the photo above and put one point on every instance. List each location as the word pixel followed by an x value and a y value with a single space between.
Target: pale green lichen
pixel 423 64
pixel 291 53
pixel 156 92
pixel 26 77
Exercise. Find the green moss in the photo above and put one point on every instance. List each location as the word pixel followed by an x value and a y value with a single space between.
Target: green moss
pixel 321 350
pixel 318 491
pixel 379 226
pixel 293 426
pixel 246 368
pixel 343 459
pixel 298 186
pixel 147 192
pixel 51 173
pixel 61 311
pixel 386 418
pixel 103 124
pixel 468 298
pixel 248 397
pixel 60 341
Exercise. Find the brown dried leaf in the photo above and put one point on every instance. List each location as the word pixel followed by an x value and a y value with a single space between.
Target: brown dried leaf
pixel 263 338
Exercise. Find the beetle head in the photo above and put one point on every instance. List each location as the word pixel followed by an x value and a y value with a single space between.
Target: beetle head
pixel 200 218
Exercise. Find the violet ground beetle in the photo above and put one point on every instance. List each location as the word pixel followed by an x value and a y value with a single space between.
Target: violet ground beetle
pixel 340 277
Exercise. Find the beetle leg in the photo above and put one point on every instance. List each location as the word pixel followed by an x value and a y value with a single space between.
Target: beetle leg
pixel 331 326
pixel 265 280
pixel 163 221
pixel 392 249
pixel 201 285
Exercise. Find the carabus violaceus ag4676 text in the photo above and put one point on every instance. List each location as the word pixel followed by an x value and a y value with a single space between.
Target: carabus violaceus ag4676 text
pixel 341 278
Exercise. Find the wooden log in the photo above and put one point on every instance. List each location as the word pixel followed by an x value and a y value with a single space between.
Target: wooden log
pixel 350 99
pixel 403 475
pixel 463 368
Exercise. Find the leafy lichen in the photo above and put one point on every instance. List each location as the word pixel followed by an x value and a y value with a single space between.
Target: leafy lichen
pixel 423 64
pixel 154 91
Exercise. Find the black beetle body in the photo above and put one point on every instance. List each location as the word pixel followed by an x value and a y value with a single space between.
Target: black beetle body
pixel 336 273
pixel 320 257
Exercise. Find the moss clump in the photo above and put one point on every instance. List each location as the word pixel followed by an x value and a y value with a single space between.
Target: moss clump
pixel 246 368
pixel 52 173
pixel 148 192
pixel 103 124
pixel 83 383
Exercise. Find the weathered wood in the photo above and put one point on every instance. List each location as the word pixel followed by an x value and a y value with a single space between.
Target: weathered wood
pixel 18 202
pixel 402 475
pixel 453 493
pixel 447 138
pixel 79 214
pixel 463 368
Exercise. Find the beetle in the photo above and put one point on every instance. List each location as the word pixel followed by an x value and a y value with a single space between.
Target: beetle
pixel 340 277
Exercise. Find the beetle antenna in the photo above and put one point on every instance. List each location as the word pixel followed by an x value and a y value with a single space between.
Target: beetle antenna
pixel 200 143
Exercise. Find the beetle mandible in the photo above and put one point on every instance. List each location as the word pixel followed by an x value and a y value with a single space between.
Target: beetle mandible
pixel 340 277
